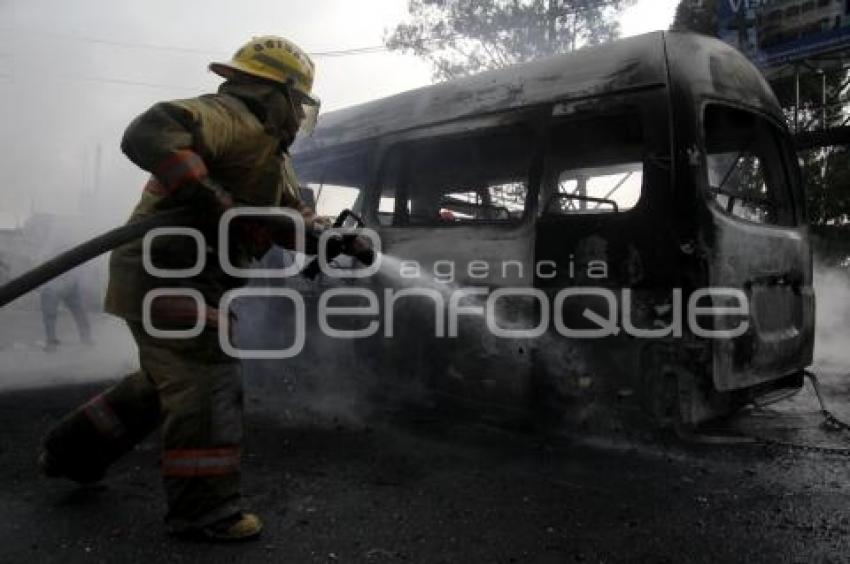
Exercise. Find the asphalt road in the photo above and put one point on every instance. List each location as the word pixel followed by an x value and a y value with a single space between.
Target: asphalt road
pixel 396 485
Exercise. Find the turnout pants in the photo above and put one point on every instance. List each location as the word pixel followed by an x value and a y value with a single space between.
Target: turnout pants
pixel 194 391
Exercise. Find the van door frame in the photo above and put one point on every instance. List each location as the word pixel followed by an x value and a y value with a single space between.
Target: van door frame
pixel 727 374
pixel 511 394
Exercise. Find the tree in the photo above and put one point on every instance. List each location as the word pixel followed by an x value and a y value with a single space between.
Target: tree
pixel 463 37
pixel 699 16
pixel 826 173
pixel 826 170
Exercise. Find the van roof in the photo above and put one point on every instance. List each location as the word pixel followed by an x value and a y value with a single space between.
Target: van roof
pixel 631 63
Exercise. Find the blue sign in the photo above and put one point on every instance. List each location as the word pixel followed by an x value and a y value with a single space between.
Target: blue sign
pixel 778 32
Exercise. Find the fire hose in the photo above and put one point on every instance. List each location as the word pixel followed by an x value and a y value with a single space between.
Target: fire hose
pixel 830 423
pixel 90 249
pixel 12 290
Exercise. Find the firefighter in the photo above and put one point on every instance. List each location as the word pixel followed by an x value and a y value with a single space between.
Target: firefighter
pixel 208 153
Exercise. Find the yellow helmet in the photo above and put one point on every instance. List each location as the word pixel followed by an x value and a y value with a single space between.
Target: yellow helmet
pixel 279 60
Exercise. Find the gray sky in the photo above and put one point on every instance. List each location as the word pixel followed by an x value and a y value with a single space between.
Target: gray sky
pixel 73 73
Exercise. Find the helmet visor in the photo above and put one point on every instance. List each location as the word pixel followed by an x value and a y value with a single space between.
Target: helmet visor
pixel 310 106
pixel 311 117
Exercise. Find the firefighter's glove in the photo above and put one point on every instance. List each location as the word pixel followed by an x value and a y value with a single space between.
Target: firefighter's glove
pixel 202 196
pixel 206 195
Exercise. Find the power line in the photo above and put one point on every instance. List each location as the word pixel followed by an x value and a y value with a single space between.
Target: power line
pixel 122 81
pixel 128 44
pixel 346 52
pixel 132 45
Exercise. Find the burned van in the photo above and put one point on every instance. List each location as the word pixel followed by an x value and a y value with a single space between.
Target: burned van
pixel 619 226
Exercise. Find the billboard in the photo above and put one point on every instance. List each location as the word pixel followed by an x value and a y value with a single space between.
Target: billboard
pixel 778 32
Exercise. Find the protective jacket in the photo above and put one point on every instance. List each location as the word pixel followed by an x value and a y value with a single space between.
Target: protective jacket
pixel 238 139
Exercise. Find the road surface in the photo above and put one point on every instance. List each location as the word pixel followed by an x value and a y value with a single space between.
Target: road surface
pixel 395 485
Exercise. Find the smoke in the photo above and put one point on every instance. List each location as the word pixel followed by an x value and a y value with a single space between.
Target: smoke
pixel 73 75
pixel 832 291
pixel 329 379
pixel 24 363
pixel 349 379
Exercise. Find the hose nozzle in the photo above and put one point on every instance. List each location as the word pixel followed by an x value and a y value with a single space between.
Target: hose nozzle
pixel 349 244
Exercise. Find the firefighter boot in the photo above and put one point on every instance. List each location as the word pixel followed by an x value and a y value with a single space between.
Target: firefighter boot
pixel 237 528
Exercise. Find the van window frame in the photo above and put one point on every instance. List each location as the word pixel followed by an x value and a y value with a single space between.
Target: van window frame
pixel 606 108
pixel 785 153
pixel 319 161
pixel 648 105
pixel 535 118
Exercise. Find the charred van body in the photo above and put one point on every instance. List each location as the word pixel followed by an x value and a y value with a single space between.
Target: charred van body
pixel 649 169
